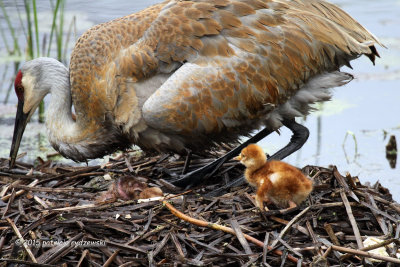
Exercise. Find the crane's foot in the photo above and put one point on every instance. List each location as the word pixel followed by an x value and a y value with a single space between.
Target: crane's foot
pixel 299 137
pixel 197 176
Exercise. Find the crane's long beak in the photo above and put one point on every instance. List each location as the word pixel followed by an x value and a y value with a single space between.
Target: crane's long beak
pixel 21 120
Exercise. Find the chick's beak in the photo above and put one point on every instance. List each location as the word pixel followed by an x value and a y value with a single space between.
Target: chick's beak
pixel 21 120
pixel 239 158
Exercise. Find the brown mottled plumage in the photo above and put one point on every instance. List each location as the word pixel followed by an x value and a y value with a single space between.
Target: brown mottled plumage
pixel 189 74
pixel 275 181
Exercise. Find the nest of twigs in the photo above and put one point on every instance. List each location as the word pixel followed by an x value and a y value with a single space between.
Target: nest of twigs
pixel 50 218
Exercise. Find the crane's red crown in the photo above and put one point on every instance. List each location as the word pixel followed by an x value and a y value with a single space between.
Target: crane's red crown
pixel 19 89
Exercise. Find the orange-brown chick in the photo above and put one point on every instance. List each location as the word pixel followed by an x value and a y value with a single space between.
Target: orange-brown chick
pixel 277 181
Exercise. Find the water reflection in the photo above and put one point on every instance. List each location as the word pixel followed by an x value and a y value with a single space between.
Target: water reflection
pixel 365 107
pixel 347 156
pixel 391 151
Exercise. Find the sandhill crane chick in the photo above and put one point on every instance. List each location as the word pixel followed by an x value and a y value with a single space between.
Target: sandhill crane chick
pixel 128 188
pixel 276 181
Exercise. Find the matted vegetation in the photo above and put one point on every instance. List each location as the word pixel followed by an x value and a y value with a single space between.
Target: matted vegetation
pixel 50 206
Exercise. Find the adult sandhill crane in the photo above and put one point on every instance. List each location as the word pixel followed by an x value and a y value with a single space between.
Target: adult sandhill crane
pixel 191 74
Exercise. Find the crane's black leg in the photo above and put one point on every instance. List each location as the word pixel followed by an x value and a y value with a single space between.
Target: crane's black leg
pixel 299 137
pixel 196 176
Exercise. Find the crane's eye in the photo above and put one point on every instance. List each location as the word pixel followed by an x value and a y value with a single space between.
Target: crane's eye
pixel 19 90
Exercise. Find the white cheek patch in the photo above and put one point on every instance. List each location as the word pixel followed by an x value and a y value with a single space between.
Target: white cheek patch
pixel 27 82
pixel 251 162
pixel 261 182
pixel 274 178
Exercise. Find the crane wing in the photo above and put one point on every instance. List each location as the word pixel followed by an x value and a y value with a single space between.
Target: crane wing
pixel 242 59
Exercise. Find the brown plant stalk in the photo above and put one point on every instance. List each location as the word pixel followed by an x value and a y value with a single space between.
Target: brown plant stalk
pixel 219 227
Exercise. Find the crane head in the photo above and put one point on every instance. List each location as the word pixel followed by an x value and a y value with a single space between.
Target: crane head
pixel 29 94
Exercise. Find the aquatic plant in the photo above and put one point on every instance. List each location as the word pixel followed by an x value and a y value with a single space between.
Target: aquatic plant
pixel 32 32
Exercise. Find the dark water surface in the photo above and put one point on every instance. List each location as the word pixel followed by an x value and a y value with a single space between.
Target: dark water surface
pixel 368 107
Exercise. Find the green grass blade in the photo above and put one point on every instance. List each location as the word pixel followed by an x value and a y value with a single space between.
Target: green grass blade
pixel 21 22
pixel 41 112
pixel 35 18
pixel 10 27
pixel 10 87
pixel 3 79
pixel 53 25
pixel 69 33
pixel 16 68
pixel 5 40
pixel 29 26
pixel 44 42
pixel 60 31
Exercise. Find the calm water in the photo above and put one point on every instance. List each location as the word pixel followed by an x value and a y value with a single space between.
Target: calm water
pixel 369 106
